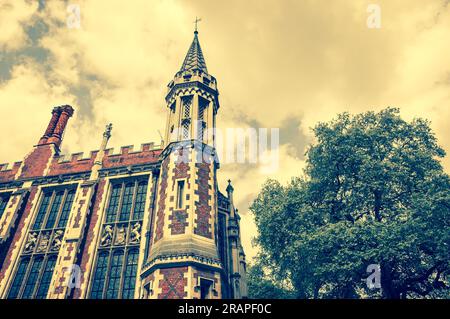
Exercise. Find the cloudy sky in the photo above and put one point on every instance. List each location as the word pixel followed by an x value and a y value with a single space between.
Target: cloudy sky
pixel 279 64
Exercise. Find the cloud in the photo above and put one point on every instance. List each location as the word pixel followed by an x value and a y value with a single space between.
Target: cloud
pixel 13 15
pixel 24 101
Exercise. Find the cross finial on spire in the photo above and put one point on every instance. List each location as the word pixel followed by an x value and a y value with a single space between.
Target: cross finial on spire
pixel 197 20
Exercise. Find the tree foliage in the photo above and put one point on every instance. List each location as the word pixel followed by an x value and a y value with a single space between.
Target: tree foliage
pixel 373 192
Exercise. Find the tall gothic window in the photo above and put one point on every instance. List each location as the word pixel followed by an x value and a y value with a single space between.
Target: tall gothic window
pixel 202 105
pixel 4 197
pixel 186 103
pixel 115 270
pixel 185 128
pixel 38 258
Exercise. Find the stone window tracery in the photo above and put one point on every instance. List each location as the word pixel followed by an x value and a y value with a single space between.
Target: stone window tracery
pixel 39 254
pixel 115 271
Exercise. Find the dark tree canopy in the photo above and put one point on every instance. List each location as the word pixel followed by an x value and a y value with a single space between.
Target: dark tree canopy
pixel 373 192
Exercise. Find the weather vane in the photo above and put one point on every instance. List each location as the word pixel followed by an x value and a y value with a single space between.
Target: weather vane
pixel 197 20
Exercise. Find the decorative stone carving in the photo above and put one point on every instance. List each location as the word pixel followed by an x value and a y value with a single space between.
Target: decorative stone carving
pixel 43 243
pixel 121 235
pixel 57 240
pixel 31 242
pixel 135 234
pixel 107 236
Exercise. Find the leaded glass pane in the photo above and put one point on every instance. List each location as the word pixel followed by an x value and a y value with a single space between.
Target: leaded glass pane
pixel 100 275
pixel 42 210
pixel 187 101
pixel 54 210
pixel 113 203
pixel 186 130
pixel 130 274
pixel 66 209
pixel 32 278
pixel 127 202
pixel 140 201
pixel 46 278
pixel 115 273
pixel 18 280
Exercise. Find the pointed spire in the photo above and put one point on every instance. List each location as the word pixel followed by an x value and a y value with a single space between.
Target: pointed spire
pixel 194 59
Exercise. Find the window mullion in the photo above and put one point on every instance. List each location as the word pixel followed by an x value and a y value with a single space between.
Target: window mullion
pixel 39 276
pixel 60 209
pixel 107 273
pixel 119 206
pixel 133 200
pixel 25 278
pixel 47 211
pixel 122 274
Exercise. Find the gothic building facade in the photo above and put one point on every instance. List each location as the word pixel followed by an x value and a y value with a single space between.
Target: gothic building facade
pixel 148 223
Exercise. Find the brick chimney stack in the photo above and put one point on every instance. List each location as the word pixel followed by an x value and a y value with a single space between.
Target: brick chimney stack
pixel 51 126
pixel 58 122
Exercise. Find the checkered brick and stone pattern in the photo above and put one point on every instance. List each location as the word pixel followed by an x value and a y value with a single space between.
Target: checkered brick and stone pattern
pixel 173 283
pixel 203 208
pixel 162 196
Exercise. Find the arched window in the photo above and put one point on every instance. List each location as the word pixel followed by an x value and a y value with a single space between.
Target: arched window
pixel 115 270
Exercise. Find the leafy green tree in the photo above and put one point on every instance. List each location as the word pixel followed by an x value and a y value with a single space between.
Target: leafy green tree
pixel 262 285
pixel 373 192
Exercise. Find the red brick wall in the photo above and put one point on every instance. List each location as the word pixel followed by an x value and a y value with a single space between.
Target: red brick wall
pixel 8 175
pixel 173 283
pixel 181 169
pixel 203 210
pixel 71 167
pixel 178 218
pixel 161 201
pixel 126 158
pixel 178 221
pixel 36 163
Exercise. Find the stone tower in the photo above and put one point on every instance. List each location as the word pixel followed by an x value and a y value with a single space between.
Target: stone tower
pixel 183 247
